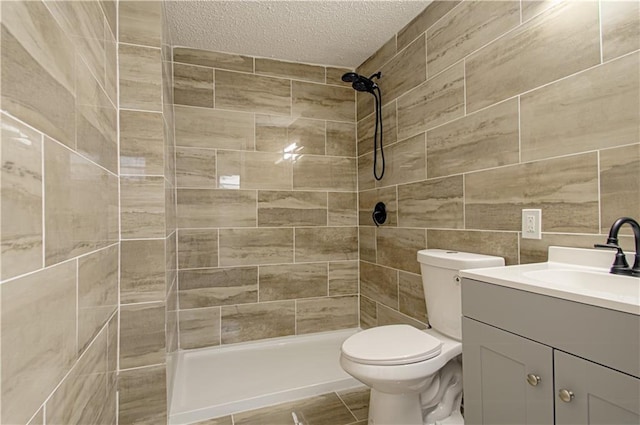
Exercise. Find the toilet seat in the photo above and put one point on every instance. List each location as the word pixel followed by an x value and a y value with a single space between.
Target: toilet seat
pixel 391 345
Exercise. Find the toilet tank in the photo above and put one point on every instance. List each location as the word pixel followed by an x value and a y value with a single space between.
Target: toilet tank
pixel 441 284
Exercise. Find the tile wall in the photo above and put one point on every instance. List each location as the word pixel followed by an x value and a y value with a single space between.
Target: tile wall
pixel 267 198
pixel 148 257
pixel 492 107
pixel 59 208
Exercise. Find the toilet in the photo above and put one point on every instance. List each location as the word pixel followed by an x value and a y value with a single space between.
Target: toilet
pixel 416 375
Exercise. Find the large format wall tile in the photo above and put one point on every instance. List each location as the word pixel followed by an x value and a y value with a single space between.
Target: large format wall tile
pixel 467 28
pixel 142 337
pixel 141 143
pixel 140 78
pixel 215 287
pixel 140 22
pixel 341 139
pixel 569 116
pixel 97 292
pixel 83 393
pixel 379 58
pixel 142 207
pixel 196 168
pixel 257 321
pixel 192 85
pixel 213 59
pixel 485 139
pixel 326 244
pixel 367 129
pixel 566 189
pixel 292 208
pixel 411 296
pixel 406 70
pixel 253 170
pixel 21 198
pixel 197 248
pixel 379 284
pixel 209 128
pixel 199 328
pixel 142 396
pixel 142 271
pixel 308 136
pixel 297 71
pixel 34 45
pixel 323 102
pixel 334 75
pixel 96 120
pixel 501 244
pixel 342 208
pixel 391 316
pixel 432 203
pixel 326 314
pixel 429 16
pixel 405 161
pixel 619 184
pixel 255 246
pixel 252 93
pixel 38 338
pixel 432 103
pixel 620 28
pixel 216 208
pixel 343 278
pixel 81 208
pixel 293 281
pixel 397 247
pixel 324 173
pixel 561 41
pixel 367 243
pixel 368 312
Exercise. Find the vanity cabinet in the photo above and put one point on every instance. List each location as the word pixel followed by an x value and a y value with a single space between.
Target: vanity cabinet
pixel 535 359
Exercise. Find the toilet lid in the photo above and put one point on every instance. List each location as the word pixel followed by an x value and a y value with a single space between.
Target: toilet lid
pixel 391 345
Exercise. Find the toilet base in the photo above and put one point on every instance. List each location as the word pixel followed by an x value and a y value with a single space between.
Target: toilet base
pixel 394 409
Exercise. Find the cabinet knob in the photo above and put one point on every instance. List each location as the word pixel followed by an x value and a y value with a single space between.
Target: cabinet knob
pixel 533 380
pixel 566 395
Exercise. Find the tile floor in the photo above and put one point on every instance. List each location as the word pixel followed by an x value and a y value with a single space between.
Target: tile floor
pixel 347 407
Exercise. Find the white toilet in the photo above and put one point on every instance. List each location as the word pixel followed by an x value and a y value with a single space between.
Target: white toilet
pixel 416 376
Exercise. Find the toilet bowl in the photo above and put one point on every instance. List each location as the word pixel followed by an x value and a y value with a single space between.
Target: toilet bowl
pixel 416 375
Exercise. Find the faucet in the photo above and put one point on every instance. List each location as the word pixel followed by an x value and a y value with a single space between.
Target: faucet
pixel 620 265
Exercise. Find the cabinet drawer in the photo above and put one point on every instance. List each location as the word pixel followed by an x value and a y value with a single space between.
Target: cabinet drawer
pixel 608 337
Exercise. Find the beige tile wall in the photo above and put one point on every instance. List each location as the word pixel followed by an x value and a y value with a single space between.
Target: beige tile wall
pixel 59 213
pixel 267 245
pixel 148 254
pixel 507 109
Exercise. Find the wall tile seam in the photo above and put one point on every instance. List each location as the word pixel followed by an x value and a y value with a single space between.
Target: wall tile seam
pixel 142 303
pixel 144 239
pixel 78 257
pixel 96 80
pixel 141 110
pixel 52 139
pixel 268 265
pixel 75 364
pixel 140 45
pixel 130 369
pixel 217 108
pixel 261 152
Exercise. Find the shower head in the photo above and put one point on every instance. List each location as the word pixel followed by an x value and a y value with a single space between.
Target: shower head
pixel 360 82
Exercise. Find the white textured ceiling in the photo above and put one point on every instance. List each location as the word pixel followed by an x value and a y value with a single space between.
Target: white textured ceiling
pixel 339 32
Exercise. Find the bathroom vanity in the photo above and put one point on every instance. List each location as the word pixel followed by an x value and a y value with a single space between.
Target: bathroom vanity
pixel 539 351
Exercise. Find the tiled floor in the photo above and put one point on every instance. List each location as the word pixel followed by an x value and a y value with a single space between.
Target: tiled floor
pixel 347 407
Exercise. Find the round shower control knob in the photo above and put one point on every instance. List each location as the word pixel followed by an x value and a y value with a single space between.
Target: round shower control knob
pixel 533 380
pixel 566 395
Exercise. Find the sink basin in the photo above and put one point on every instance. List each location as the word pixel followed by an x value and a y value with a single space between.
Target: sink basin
pixel 624 287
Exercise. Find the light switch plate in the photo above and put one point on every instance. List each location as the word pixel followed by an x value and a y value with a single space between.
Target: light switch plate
pixel 532 224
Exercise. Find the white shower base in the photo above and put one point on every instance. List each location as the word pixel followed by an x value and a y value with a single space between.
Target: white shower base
pixel 219 381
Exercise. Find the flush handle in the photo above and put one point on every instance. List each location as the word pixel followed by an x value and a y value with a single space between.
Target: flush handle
pixel 566 395
pixel 533 380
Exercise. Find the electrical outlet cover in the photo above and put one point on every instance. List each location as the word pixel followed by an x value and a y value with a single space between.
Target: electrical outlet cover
pixel 532 224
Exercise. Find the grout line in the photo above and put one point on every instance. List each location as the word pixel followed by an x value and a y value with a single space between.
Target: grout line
pixel 345 405
pixel 44 203
pixel 519 131
pixel 599 193
pixel 600 30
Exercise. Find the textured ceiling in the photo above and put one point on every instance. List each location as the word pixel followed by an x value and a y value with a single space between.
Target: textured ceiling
pixel 338 33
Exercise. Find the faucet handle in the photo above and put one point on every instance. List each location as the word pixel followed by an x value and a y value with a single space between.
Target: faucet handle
pixel 620 265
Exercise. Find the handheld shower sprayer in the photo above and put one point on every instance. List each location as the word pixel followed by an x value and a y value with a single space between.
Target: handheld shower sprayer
pixel 364 84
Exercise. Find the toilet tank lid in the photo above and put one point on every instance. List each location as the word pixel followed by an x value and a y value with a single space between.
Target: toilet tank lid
pixel 457 260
